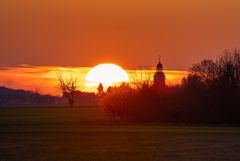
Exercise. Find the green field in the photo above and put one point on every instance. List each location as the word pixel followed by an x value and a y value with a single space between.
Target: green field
pixel 85 134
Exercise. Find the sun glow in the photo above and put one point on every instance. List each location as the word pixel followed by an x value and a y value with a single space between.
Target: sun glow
pixel 44 78
pixel 107 74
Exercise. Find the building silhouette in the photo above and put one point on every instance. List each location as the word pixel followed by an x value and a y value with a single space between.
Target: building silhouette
pixel 159 76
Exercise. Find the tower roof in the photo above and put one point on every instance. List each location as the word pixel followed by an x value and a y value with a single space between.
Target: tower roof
pixel 159 65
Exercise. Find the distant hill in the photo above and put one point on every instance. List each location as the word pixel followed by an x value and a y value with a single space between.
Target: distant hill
pixel 17 98
pixel 12 97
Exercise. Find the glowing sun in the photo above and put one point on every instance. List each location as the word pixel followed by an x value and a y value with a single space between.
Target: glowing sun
pixel 107 74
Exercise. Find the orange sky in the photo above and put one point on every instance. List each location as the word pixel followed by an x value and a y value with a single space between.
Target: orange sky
pixel 130 33
pixel 43 78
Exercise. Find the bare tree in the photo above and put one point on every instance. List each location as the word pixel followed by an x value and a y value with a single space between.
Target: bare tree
pixel 229 65
pixel 140 77
pixel 207 70
pixel 225 70
pixel 68 87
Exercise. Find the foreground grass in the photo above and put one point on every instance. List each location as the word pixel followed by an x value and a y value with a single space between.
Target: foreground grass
pixel 85 134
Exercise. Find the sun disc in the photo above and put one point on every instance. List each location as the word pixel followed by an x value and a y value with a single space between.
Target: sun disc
pixel 107 74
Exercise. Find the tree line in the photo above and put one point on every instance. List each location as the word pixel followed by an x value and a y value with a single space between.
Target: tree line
pixel 210 94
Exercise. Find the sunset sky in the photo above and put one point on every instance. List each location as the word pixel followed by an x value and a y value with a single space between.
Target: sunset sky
pixel 129 33
pixel 73 36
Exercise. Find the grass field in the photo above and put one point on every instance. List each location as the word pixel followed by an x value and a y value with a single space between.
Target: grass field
pixel 85 134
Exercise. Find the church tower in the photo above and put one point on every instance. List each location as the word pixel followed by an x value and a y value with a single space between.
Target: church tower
pixel 159 76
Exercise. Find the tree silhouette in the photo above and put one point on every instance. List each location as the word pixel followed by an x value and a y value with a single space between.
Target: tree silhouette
pixel 68 87
pixel 142 76
pixel 100 89
pixel 109 89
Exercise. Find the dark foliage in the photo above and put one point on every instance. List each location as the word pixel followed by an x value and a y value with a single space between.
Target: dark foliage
pixel 210 94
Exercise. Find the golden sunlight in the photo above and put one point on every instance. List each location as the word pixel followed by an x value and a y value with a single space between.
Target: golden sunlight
pixel 107 74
